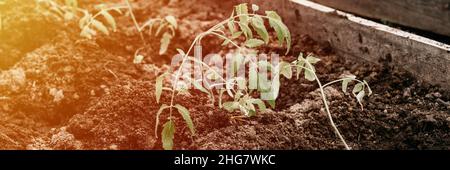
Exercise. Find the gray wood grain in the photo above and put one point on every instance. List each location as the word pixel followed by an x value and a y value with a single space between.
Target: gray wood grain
pixel 430 15
pixel 357 38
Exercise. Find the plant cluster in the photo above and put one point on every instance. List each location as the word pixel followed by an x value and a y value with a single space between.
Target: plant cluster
pixel 88 22
pixel 102 20
pixel 242 23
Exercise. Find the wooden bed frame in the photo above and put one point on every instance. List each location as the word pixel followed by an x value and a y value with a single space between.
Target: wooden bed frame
pixel 356 37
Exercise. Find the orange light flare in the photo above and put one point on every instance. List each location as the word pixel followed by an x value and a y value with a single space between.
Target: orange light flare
pixel 23 28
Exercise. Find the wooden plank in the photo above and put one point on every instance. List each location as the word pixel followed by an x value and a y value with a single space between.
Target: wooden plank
pixel 355 37
pixel 430 15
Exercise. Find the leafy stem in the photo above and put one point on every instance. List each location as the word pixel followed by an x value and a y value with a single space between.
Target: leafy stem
pixel 136 24
pixel 325 103
pixel 243 99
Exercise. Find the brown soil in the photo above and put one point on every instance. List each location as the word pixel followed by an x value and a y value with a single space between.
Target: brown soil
pixel 108 102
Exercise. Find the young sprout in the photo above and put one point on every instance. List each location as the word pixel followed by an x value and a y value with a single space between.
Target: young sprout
pixel 165 27
pixel 242 23
pixel 89 23
pixel 103 21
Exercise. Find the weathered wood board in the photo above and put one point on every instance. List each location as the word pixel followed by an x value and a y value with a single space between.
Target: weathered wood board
pixel 356 37
pixel 430 15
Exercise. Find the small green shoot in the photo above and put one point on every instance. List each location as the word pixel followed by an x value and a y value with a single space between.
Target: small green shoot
pixel 243 23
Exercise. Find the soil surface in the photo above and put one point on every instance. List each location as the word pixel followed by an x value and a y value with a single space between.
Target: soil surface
pixel 61 91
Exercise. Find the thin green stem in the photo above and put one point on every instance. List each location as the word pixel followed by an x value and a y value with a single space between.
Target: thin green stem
pixel 177 75
pixel 225 38
pixel 136 24
pixel 337 81
pixel 336 130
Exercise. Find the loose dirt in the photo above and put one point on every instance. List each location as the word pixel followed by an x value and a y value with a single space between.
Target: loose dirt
pixel 107 102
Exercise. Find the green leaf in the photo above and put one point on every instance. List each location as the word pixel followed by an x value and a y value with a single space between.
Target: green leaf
pixel 57 10
pixel 246 30
pixel 230 106
pixel 138 59
pixel 87 32
pixel 271 103
pixel 242 10
pixel 160 28
pixel 236 35
pixel 181 52
pixel 68 16
pixel 280 28
pixel 168 134
pixel 110 19
pixel 260 28
pixel 251 110
pixel 100 26
pixel 159 86
pixel 249 105
pixel 345 83
pixel 230 24
pixel 276 86
pixel 252 43
pixel 368 87
pixel 358 87
pixel 285 69
pixel 359 97
pixel 161 109
pixel 300 57
pixel 82 22
pixel 309 75
pixel 245 110
pixel 165 41
pixel 187 117
pixel 312 60
pixel 199 86
pixel 251 113
pixel 274 22
pixel 261 105
pixel 172 30
pixel 300 63
pixel 288 39
pixel 299 66
pixel 172 21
